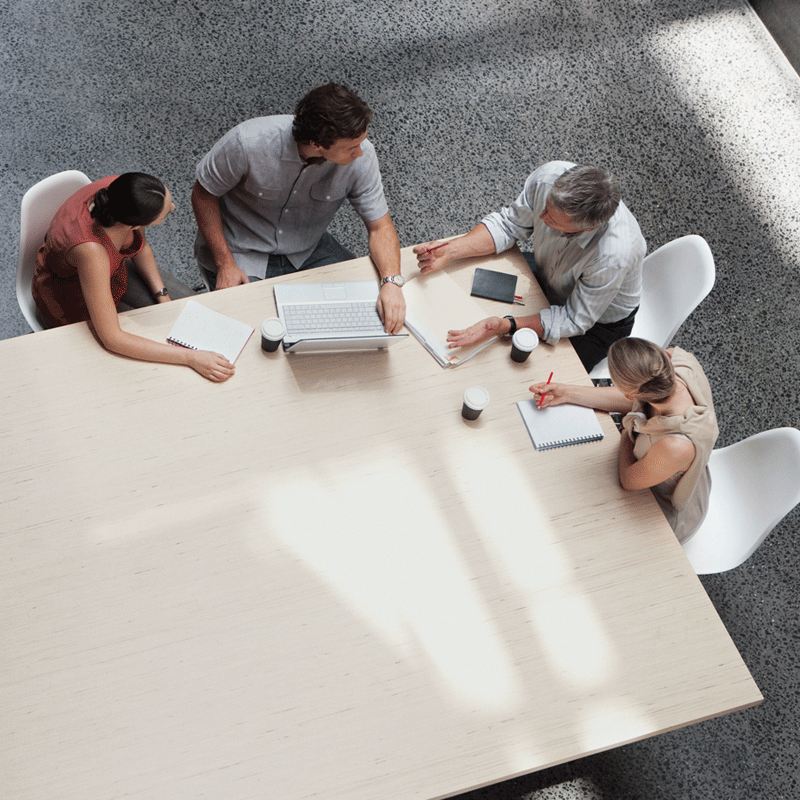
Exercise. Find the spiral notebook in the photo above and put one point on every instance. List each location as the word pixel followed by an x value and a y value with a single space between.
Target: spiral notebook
pixel 559 426
pixel 201 328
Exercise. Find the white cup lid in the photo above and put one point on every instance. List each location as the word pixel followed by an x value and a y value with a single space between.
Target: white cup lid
pixel 272 328
pixel 476 397
pixel 525 339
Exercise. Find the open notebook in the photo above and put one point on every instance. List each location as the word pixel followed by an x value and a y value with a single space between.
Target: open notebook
pixel 435 304
pixel 201 328
pixel 559 426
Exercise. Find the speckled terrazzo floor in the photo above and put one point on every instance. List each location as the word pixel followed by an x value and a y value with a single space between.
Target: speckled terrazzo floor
pixel 689 102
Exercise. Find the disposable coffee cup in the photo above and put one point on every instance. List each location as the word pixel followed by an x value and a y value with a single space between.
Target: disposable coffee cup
pixel 272 333
pixel 476 398
pixel 523 343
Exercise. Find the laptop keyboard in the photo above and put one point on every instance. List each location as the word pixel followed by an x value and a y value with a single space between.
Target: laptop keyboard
pixel 330 318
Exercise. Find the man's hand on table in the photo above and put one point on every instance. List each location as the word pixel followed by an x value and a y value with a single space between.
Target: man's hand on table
pixel 391 307
pixel 230 276
pixel 479 332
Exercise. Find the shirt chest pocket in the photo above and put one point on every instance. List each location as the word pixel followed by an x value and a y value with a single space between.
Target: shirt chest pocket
pixel 266 194
pixel 328 194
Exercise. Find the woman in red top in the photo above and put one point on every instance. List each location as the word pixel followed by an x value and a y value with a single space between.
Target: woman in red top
pixel 81 273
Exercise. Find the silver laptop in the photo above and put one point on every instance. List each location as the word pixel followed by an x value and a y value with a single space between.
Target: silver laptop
pixel 331 317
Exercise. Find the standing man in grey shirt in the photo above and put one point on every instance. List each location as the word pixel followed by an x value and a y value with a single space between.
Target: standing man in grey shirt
pixel 267 191
pixel 588 251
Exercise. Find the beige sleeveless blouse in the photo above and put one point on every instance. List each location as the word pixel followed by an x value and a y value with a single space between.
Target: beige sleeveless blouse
pixel 684 496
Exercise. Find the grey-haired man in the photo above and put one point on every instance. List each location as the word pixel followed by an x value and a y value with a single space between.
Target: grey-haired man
pixel 588 250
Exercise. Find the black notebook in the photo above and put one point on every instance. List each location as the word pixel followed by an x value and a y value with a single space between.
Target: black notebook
pixel 559 426
pixel 494 285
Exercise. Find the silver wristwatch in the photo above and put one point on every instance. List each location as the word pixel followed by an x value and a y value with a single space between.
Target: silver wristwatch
pixel 397 280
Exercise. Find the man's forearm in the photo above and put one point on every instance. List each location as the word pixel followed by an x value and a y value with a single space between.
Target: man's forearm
pixel 384 248
pixel 534 322
pixel 209 221
pixel 478 242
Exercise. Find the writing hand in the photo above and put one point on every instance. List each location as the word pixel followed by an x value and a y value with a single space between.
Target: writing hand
pixel 431 256
pixel 550 394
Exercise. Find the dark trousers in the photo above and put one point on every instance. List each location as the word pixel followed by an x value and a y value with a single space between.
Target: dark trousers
pixel 138 294
pixel 328 251
pixel 593 345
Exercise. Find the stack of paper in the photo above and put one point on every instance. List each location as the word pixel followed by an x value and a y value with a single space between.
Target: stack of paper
pixel 435 304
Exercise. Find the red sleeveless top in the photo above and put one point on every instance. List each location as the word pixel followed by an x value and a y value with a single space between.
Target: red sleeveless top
pixel 56 287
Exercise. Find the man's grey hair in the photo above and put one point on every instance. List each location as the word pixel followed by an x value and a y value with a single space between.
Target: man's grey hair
pixel 588 195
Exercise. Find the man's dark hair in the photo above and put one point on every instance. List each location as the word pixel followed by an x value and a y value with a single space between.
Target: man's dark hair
pixel 328 113
pixel 588 195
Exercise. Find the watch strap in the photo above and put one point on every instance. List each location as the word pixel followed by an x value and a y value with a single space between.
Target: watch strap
pixel 513 322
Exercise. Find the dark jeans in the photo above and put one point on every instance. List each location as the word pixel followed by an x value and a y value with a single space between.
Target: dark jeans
pixel 328 251
pixel 138 294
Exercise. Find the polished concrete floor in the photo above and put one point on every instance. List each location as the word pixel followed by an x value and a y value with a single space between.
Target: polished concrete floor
pixel 690 102
pixel 782 20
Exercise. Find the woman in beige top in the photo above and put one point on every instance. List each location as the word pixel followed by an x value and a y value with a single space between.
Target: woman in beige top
pixel 669 426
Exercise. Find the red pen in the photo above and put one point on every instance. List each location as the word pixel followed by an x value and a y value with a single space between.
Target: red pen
pixel 545 386
pixel 431 249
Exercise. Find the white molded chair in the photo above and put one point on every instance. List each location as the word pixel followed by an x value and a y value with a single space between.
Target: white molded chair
pixel 755 483
pixel 39 206
pixel 675 279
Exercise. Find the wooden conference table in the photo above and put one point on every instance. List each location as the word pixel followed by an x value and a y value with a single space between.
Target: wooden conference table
pixel 318 580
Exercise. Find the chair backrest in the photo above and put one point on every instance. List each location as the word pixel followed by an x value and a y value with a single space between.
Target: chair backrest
pixel 39 205
pixel 755 483
pixel 675 279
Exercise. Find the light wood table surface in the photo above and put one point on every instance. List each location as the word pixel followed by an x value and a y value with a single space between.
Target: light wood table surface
pixel 318 580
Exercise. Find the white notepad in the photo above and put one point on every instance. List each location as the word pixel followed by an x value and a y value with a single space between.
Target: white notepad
pixel 559 426
pixel 202 328
pixel 435 304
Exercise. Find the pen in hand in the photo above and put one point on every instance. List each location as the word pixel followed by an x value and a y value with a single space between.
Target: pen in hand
pixel 541 399
pixel 431 249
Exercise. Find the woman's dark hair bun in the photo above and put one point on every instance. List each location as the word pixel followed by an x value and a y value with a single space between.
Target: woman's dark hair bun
pixel 101 211
pixel 134 198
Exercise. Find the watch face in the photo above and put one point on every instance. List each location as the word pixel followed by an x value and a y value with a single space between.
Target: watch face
pixel 397 280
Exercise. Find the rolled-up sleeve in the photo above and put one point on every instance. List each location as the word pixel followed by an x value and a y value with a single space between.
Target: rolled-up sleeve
pixel 515 223
pixel 595 289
